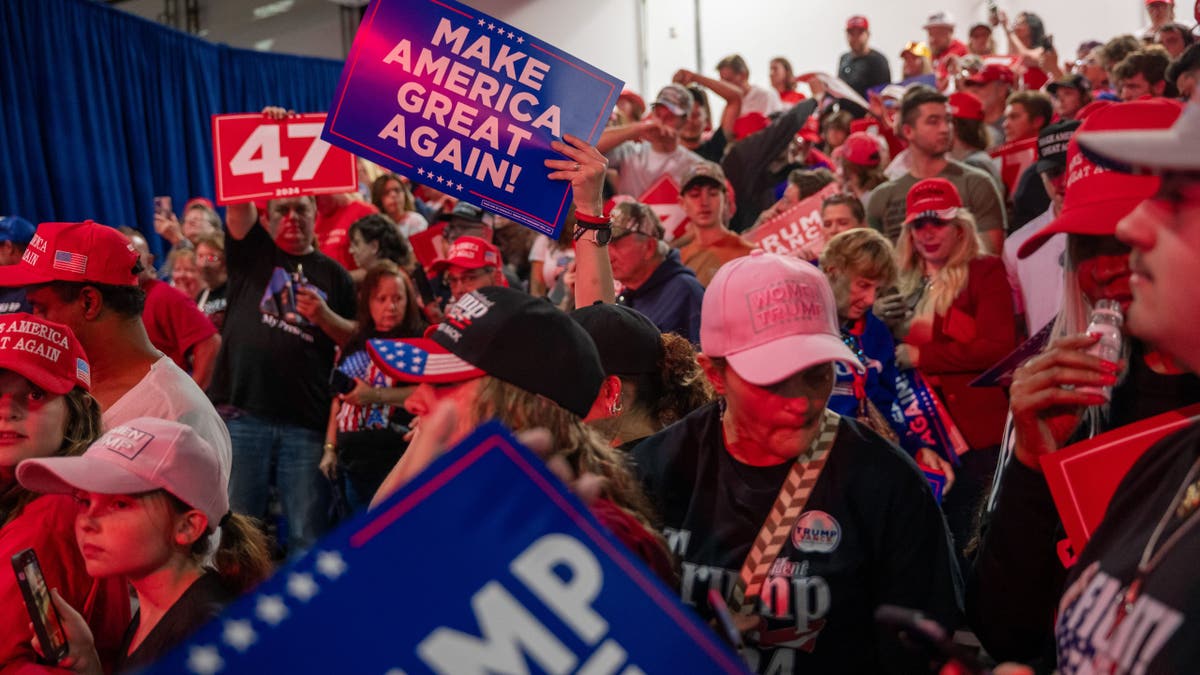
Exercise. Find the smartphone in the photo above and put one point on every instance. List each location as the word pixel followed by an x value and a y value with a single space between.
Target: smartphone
pixel 162 206
pixel 993 10
pixel 1048 43
pixel 928 638
pixel 46 623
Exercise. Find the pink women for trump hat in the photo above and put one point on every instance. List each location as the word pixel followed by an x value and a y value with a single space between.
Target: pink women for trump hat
pixel 771 316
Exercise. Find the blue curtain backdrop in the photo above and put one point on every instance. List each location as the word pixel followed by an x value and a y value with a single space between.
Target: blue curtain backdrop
pixel 102 110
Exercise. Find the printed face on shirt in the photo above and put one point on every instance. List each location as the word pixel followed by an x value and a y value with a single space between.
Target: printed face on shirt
pixel 778 421
pixel 290 223
pixel 704 204
pixel 32 421
pixel 1165 235
pixel 388 302
pixel 932 129
pixel 1101 268
pixel 854 294
pixel 125 535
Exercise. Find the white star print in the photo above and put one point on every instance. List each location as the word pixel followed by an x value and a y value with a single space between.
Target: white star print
pixel 440 179
pixel 491 26
pixel 510 35
pixel 330 564
pixel 204 660
pixel 301 586
pixel 239 634
pixel 520 40
pixel 271 609
pixel 482 21
pixel 420 172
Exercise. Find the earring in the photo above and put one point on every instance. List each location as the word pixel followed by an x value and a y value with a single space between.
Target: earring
pixel 615 409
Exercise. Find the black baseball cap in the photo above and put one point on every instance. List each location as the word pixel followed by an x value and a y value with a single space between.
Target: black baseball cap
pixel 628 342
pixel 1052 145
pixel 1074 81
pixel 509 335
pixel 463 211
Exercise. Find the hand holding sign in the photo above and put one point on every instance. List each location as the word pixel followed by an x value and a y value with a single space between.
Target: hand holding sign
pixel 277 154
pixel 585 169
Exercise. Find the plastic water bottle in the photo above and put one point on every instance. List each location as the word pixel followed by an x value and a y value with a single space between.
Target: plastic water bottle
pixel 1106 321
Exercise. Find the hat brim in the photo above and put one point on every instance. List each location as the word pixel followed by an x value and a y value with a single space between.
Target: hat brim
pixel 19 275
pixel 779 359
pixel 701 179
pixel 1144 151
pixel 675 110
pixel 943 214
pixel 439 365
pixel 1044 165
pixel 442 264
pixel 1095 219
pixel 64 475
pixel 23 365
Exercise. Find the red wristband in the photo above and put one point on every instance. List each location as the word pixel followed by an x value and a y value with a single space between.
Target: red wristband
pixel 591 220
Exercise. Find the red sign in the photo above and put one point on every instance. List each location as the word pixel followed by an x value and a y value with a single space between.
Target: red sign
pixel 1013 158
pixel 258 158
pixel 796 231
pixel 1083 476
pixel 663 198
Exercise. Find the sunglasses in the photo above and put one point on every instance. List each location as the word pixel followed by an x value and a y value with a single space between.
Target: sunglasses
pixel 922 223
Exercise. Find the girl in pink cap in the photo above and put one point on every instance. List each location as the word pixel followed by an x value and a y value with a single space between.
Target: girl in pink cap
pixel 149 495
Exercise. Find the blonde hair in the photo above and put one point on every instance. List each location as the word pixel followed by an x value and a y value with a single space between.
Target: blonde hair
pixel 582 447
pixel 861 251
pixel 951 279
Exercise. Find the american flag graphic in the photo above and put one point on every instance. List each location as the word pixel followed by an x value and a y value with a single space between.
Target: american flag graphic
pixel 356 365
pixel 70 262
pixel 401 359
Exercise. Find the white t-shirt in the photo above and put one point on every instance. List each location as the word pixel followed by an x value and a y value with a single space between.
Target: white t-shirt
pixel 554 260
pixel 763 100
pixel 412 223
pixel 638 165
pixel 166 392
pixel 1037 281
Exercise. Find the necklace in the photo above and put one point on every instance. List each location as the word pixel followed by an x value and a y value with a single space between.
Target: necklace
pixel 1183 507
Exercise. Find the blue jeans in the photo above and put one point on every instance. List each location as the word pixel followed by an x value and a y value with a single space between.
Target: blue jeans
pixel 303 490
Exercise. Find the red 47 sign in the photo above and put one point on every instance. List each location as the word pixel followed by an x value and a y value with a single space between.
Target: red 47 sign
pixel 258 158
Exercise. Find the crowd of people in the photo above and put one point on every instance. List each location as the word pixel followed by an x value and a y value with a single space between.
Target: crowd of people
pixel 753 423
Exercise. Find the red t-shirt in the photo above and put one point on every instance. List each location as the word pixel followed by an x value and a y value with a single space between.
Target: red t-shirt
pixel 173 321
pixel 333 233
pixel 47 525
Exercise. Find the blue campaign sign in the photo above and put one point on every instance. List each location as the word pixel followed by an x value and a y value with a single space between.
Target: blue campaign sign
pixel 483 563
pixel 462 102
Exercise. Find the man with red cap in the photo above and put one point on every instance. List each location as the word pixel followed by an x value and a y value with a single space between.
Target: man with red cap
pixel 85 275
pixel 1019 575
pixel 992 85
pixel 470 264
pixel 862 67
pixel 848 505
pixel 1161 13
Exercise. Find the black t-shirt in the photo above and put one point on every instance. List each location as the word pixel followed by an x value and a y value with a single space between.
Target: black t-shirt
pixel 870 534
pixel 202 601
pixel 1158 634
pixel 273 362
pixel 863 72
pixel 213 303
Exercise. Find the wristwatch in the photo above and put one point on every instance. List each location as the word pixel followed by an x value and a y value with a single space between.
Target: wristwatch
pixel 597 230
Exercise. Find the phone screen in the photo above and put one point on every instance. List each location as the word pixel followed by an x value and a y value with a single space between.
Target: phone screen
pixel 162 206
pixel 41 607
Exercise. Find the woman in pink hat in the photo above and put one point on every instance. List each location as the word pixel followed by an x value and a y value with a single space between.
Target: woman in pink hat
pixel 149 495
pixel 46 411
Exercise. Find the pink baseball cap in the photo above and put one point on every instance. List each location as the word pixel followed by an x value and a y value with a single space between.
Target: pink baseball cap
pixel 771 316
pixel 43 352
pixel 86 252
pixel 142 455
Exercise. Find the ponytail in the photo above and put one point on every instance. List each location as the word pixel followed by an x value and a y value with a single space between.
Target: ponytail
pixel 678 387
pixel 242 560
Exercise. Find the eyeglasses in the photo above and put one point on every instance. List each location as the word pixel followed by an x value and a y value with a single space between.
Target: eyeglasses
pixel 452 280
pixel 211 258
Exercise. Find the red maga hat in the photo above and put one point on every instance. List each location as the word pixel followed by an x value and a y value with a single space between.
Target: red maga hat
pixel 932 198
pixel 86 252
pixel 966 106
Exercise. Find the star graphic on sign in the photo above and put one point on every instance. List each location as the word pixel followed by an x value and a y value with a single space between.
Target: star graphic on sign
pixel 271 609
pixel 330 564
pixel 482 21
pixel 440 179
pixel 460 187
pixel 510 35
pixel 491 26
pixel 520 39
pixel 420 172
pixel 239 634
pixel 205 660
pixel 301 586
